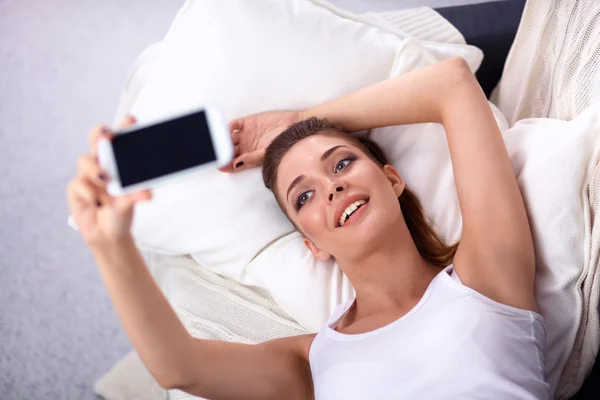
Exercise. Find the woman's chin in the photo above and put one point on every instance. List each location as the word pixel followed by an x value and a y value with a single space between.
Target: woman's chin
pixel 364 227
pixel 371 226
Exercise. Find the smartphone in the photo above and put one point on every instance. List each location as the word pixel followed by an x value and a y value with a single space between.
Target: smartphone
pixel 147 155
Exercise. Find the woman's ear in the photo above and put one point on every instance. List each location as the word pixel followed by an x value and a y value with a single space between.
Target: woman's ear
pixel 319 254
pixel 395 179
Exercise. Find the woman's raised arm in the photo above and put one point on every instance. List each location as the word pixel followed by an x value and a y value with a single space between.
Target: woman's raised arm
pixel 415 97
pixel 217 370
pixel 208 368
pixel 409 98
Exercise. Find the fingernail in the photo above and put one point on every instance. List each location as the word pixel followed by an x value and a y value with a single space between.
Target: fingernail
pixel 102 176
pixel 105 130
pixel 98 203
pixel 239 164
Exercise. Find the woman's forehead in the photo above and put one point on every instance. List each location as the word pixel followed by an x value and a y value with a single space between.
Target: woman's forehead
pixel 308 152
pixel 313 147
pixel 304 156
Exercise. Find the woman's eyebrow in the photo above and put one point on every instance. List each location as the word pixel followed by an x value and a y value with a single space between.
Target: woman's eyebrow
pixel 331 150
pixel 324 157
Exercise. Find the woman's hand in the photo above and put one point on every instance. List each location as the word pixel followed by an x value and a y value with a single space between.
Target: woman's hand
pixel 252 135
pixel 101 219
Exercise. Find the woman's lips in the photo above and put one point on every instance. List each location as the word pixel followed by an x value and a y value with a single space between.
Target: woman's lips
pixel 356 215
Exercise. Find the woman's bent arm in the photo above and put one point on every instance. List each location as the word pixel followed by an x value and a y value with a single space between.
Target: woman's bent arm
pixel 218 370
pixel 415 97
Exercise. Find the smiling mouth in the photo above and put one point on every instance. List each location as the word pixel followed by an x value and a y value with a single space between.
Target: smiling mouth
pixel 353 214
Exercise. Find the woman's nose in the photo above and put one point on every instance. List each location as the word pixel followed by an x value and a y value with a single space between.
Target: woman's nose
pixel 338 187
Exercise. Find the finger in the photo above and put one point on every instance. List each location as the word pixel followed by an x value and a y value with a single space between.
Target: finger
pixel 88 167
pixel 83 193
pixel 75 200
pixel 79 203
pixel 128 121
pixel 249 160
pixel 125 203
pixel 235 137
pixel 98 132
pixel 228 168
pixel 90 172
pixel 236 125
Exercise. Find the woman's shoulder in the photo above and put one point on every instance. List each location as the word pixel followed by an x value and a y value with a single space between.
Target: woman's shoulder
pixel 512 299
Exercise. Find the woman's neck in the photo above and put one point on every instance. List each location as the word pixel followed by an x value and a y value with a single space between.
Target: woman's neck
pixel 392 275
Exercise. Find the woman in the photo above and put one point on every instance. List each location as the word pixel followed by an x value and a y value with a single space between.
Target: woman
pixel 429 321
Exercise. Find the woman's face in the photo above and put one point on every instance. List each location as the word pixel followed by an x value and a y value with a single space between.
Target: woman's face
pixel 319 177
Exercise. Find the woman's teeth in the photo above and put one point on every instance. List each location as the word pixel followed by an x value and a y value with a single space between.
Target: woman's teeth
pixel 350 210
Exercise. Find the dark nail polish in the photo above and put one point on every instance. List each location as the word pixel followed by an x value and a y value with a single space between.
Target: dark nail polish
pixel 98 203
pixel 239 164
pixel 101 176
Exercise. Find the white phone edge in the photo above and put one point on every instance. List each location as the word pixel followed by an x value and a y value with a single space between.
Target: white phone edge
pixel 220 138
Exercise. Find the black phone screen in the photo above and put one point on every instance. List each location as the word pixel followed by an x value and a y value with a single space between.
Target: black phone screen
pixel 163 148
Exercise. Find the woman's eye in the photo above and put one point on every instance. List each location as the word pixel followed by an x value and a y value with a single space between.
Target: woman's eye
pixel 343 164
pixel 302 199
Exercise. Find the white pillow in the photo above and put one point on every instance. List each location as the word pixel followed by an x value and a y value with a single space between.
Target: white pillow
pixel 136 79
pixel 247 57
pixel 129 379
pixel 552 160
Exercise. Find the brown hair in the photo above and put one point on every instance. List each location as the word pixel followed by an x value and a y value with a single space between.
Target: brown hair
pixel 428 243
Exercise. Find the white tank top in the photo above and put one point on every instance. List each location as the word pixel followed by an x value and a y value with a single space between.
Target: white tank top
pixel 454 344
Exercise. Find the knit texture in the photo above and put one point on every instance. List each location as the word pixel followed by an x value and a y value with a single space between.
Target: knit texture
pixel 553 67
pixel 213 307
pixel 585 349
pixel 421 23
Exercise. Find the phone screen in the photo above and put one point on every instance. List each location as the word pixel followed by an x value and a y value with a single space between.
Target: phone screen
pixel 164 148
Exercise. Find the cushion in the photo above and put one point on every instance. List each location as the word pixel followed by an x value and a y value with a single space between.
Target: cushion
pixel 423 23
pixel 129 379
pixel 553 161
pixel 213 215
pixel 136 80
pixel 257 61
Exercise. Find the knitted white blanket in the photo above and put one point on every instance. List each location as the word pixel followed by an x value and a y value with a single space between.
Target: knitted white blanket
pixel 585 349
pixel 553 67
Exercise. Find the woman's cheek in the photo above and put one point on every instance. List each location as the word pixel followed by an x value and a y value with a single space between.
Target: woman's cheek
pixel 313 221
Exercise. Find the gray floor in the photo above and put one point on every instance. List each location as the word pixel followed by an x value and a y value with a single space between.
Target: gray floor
pixel 62 65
